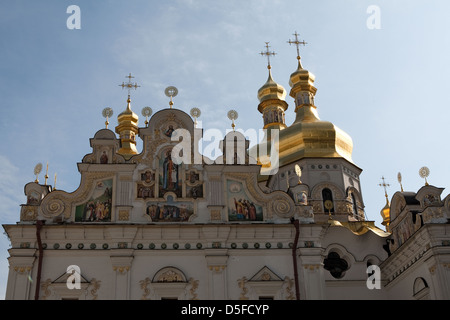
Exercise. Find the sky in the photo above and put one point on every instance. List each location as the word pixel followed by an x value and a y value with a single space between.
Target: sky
pixel 382 77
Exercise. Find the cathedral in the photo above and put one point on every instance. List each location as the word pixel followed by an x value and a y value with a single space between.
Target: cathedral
pixel 281 220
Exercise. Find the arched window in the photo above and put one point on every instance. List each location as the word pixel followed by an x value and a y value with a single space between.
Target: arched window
pixel 327 195
pixel 421 289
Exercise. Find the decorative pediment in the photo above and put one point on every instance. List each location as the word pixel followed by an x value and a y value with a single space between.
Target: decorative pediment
pixel 169 282
pixel 429 196
pixel 398 204
pixel 169 274
pixel 160 133
pixel 35 193
pixel 59 288
pixel 104 148
pixel 265 274
pixel 265 283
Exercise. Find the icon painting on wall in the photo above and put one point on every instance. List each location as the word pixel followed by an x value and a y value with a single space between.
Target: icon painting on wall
pixel 98 207
pixel 170 211
pixel 169 178
pixel 240 206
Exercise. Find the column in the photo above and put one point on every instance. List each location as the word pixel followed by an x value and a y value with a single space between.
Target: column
pixel 21 263
pixel 216 262
pixel 121 265
pixel 311 274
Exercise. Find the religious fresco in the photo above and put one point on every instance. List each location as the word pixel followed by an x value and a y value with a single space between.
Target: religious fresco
pixel 98 207
pixel 194 191
pixel 168 132
pixel 170 210
pixel 33 198
pixel 104 158
pixel 194 188
pixel 146 188
pixel 240 207
pixel 144 191
pixel 148 176
pixel 299 194
pixel 170 175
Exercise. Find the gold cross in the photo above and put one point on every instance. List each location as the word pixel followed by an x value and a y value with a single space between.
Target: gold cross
pixel 268 54
pixel 129 85
pixel 297 43
pixel 384 185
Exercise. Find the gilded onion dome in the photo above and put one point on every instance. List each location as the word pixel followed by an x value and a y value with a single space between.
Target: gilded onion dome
pixel 386 215
pixel 127 129
pixel 272 104
pixel 271 90
pixel 309 136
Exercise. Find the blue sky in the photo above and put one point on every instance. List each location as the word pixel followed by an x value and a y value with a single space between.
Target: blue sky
pixel 387 88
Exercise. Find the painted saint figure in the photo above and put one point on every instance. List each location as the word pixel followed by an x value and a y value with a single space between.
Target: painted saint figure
pixel 169 131
pixel 170 173
pixel 104 158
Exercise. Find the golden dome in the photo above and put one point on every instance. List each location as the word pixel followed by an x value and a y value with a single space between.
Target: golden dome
pixel 271 90
pixel 308 136
pixel 386 214
pixel 127 128
pixel 301 80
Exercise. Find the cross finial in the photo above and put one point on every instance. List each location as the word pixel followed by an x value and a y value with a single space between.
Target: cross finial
pixel 297 44
pixel 129 85
pixel 384 185
pixel 268 54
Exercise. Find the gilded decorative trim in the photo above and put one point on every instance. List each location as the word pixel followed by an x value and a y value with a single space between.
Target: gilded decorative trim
pixel 121 269
pixel 28 213
pixel 432 269
pixel 289 285
pixel 144 286
pixel 194 286
pixel 311 267
pixel 217 268
pixel 95 286
pixel 124 215
pixel 22 270
pixel 216 215
pixel 244 290
pixel 46 289
pixel 170 276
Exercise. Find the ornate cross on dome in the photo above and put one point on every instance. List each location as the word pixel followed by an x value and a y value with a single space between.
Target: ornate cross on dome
pixel 297 44
pixel 129 85
pixel 268 54
pixel 384 185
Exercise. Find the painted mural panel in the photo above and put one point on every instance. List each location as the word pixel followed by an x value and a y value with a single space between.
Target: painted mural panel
pixel 170 175
pixel 170 210
pixel 98 207
pixel 240 207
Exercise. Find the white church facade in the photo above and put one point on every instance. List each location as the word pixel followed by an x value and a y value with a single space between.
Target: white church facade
pixel 147 225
